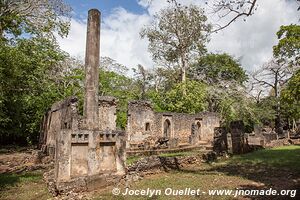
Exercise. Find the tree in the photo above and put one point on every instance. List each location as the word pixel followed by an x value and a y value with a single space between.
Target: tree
pixel 290 98
pixel 109 64
pixel 36 17
pixel 27 88
pixel 143 78
pixel 223 75
pixel 234 9
pixel 288 47
pixel 218 69
pixel 273 75
pixel 193 101
pixel 177 34
pixel 112 83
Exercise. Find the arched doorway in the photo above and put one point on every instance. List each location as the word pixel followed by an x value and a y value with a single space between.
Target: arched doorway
pixel 167 128
pixel 198 129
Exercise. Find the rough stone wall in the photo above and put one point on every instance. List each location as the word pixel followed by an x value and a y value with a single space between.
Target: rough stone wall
pixel 180 125
pixel 107 113
pixel 80 153
pixel 220 144
pixel 139 114
pixel 89 153
pixel 88 149
pixel 61 115
pixel 237 131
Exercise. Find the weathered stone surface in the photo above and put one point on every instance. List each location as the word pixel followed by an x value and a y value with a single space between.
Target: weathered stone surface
pixel 88 151
pixel 143 123
pixel 107 112
pixel 62 115
pixel 220 144
pixel 237 131
pixel 92 57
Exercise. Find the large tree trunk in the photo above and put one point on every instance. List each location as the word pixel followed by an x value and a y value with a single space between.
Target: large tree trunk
pixel 278 124
pixel 183 67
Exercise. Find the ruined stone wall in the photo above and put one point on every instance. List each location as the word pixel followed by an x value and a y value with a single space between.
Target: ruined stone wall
pixel 88 149
pixel 107 113
pixel 143 123
pixel 81 153
pixel 61 115
pixel 140 123
pixel 181 125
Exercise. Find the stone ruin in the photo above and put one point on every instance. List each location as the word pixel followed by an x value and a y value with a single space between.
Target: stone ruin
pixel 88 151
pixel 240 142
pixel 148 129
pixel 220 144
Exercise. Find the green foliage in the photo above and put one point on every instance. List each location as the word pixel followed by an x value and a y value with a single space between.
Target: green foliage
pixel 177 34
pixel 38 18
pixel 236 106
pixel 225 94
pixel 288 47
pixel 193 101
pixel 121 87
pixel 291 92
pixel 26 86
pixel 215 68
pixel 290 98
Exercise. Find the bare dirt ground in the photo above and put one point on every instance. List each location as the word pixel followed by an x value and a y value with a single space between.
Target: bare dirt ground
pixel 16 161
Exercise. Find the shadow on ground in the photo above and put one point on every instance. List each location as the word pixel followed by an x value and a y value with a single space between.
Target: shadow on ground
pixel 9 180
pixel 278 169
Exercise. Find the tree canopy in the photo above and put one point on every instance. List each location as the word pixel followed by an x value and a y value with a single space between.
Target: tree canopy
pixel 35 17
pixel 178 34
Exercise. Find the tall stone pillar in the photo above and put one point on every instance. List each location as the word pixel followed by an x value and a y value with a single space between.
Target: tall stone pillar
pixel 237 131
pixel 92 56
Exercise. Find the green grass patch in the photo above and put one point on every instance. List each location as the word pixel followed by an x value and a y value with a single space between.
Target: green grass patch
pixel 186 153
pixel 23 186
pixel 280 157
pixel 132 159
pixel 7 180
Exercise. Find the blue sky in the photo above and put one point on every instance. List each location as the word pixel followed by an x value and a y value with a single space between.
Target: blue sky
pixel 122 20
pixel 80 7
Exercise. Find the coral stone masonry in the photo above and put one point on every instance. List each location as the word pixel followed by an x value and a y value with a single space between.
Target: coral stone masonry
pixel 87 150
pixel 143 125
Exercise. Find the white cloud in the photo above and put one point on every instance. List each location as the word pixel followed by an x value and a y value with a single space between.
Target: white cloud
pixel 74 44
pixel 119 39
pixel 251 40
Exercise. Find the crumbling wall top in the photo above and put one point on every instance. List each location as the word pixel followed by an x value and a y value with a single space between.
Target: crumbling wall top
pixel 140 103
pixel 107 100
pixel 64 103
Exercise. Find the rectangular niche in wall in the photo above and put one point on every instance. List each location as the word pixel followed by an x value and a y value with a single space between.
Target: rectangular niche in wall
pixel 107 156
pixel 79 162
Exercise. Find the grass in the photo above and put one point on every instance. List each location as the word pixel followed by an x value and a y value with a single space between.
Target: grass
pixel 281 157
pixel 253 171
pixel 132 159
pixel 224 174
pixel 186 153
pixel 180 180
pixel 24 186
